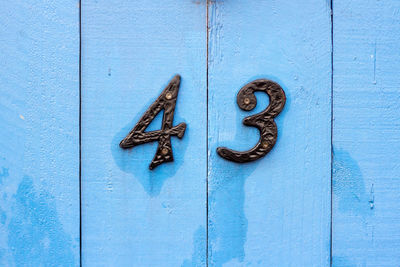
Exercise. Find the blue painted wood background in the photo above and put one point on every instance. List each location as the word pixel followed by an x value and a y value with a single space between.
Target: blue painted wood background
pixel 274 211
pixel 366 133
pixel 39 133
pixel 132 216
pixel 76 77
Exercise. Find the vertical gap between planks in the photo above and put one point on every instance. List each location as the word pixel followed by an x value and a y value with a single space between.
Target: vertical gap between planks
pixel 80 132
pixel 207 41
pixel 332 117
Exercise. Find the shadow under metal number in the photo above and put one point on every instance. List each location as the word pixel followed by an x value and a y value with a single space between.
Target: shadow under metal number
pixel 263 121
pixel 138 136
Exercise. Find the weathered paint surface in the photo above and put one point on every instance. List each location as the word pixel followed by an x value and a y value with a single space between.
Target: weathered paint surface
pixel 366 133
pixel 132 216
pixel 275 211
pixel 272 212
pixel 39 133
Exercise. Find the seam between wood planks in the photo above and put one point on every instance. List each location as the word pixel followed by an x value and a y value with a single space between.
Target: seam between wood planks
pixel 80 132
pixel 331 204
pixel 207 43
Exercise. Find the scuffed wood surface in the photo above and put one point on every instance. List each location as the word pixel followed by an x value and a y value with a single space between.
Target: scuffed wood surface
pixel 274 211
pixel 39 133
pixel 366 133
pixel 133 216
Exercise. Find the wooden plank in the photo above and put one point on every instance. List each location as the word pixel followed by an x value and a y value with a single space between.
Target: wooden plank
pixel 275 211
pixel 366 133
pixel 39 133
pixel 133 216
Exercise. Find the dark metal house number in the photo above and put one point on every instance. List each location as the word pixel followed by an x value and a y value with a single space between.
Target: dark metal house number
pixel 137 136
pixel 264 120
pixel 246 100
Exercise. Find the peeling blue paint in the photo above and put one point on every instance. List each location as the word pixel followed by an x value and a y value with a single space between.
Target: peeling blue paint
pixel 35 235
pixel 3 216
pixel 227 220
pixel 199 249
pixel 348 185
pixel 342 262
pixel 3 174
pixel 351 200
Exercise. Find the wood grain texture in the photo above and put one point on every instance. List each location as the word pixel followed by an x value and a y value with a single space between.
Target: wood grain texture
pixel 39 133
pixel 366 133
pixel 133 216
pixel 274 211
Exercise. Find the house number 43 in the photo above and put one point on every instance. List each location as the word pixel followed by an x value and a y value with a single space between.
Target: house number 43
pixel 246 100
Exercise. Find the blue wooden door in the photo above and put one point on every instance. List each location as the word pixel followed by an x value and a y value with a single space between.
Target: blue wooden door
pixel 76 77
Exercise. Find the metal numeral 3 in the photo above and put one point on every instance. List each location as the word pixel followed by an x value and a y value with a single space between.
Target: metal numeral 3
pixel 264 120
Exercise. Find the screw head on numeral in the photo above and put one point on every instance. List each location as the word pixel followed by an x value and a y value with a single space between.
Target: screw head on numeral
pixel 137 136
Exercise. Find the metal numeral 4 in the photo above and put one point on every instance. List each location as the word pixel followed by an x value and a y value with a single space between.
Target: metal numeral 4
pixel 137 136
